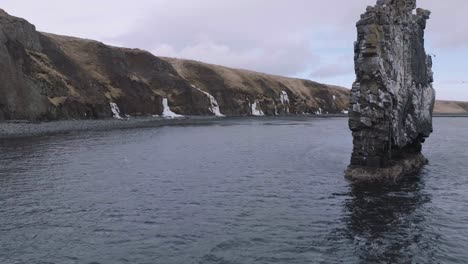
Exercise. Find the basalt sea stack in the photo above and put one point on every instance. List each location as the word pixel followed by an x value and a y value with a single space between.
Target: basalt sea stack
pixel 392 99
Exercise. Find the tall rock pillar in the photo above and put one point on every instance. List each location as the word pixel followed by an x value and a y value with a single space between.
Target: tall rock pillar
pixel 392 99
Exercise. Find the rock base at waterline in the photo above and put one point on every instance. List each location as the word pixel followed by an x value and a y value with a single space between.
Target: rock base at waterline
pixel 409 166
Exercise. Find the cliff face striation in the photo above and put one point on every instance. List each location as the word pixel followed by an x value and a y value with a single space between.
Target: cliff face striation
pixel 48 77
pixel 392 99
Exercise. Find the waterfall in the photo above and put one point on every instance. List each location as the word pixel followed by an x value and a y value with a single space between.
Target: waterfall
pixel 115 111
pixel 167 110
pixel 255 110
pixel 214 108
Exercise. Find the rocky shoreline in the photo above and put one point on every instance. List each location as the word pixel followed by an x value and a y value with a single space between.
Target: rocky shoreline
pixel 52 77
pixel 407 166
pixel 18 128
pixel 21 128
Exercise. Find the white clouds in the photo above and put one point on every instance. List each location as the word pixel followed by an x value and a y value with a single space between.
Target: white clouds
pixel 259 35
pixel 334 67
pixel 272 59
pixel 447 27
pixel 451 91
pixel 103 19
pixel 331 70
pixel 286 37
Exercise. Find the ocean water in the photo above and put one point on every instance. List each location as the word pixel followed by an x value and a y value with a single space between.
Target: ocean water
pixel 265 190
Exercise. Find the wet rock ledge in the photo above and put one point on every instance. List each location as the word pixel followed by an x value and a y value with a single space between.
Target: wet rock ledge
pixel 392 100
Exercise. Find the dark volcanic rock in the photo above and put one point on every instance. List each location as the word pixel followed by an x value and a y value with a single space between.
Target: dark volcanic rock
pixel 48 77
pixel 392 99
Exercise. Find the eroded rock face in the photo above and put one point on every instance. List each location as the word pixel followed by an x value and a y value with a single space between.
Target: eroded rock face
pixel 392 99
pixel 48 77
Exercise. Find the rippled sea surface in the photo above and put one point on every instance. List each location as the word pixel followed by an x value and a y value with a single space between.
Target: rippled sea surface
pixel 231 191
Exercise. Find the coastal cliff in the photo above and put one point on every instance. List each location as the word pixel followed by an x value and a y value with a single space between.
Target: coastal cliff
pixel 451 107
pixel 49 77
pixel 392 100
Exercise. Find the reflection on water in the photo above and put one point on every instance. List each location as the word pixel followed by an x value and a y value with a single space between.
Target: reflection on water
pixel 253 191
pixel 388 224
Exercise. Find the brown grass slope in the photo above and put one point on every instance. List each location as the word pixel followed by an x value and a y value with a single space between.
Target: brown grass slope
pixel 451 107
pixel 47 77
pixel 236 89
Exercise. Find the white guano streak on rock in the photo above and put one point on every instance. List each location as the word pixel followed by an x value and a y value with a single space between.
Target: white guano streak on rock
pixel 214 103
pixel 167 113
pixel 115 111
pixel 255 109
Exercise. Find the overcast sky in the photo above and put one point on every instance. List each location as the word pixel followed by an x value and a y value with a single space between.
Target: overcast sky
pixel 310 39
